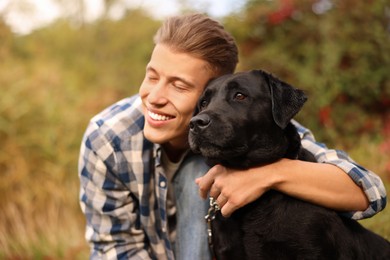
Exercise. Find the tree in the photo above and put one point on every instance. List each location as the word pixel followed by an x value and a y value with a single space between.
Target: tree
pixel 338 51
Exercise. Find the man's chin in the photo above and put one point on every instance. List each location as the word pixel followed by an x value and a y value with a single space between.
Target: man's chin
pixel 154 136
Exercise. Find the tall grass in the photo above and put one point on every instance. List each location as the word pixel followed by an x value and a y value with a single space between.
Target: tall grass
pixel 40 129
pixel 51 83
pixel 42 119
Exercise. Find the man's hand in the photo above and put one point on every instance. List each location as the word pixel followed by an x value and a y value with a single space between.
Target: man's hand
pixel 232 188
pixel 318 183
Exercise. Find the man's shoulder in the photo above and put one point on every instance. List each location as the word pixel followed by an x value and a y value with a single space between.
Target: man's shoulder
pixel 123 118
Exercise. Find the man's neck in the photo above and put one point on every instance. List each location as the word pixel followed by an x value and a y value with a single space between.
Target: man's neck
pixel 174 154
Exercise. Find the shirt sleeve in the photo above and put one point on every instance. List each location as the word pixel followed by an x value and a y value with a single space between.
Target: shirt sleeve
pixel 112 220
pixel 371 183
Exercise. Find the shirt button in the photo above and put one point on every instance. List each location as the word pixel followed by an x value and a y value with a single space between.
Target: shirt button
pixel 163 184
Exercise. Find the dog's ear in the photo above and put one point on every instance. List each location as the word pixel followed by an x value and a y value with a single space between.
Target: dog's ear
pixel 286 100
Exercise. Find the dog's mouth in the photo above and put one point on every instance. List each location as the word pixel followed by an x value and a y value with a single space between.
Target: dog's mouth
pixel 214 151
pixel 216 139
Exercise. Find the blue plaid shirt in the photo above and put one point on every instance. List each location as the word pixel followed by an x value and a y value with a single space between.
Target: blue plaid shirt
pixel 124 188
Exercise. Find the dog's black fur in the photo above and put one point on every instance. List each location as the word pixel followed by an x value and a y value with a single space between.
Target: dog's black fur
pixel 243 120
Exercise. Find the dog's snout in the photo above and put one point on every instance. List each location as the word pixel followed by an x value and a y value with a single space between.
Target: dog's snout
pixel 199 122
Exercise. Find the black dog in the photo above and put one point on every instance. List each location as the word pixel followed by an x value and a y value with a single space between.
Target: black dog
pixel 243 120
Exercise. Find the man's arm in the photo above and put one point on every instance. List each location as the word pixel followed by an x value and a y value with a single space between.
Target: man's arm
pixel 336 182
pixel 112 220
pixel 367 181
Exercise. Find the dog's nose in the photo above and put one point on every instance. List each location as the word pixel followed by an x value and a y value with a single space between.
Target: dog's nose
pixel 199 122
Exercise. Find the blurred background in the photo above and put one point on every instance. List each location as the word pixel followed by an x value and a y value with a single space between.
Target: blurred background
pixel 63 61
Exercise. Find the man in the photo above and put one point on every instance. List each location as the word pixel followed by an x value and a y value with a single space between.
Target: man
pixel 138 176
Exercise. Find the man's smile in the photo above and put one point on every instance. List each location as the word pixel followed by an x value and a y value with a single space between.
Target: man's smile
pixel 159 117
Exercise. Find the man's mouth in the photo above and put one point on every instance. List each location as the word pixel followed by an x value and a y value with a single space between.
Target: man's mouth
pixel 159 117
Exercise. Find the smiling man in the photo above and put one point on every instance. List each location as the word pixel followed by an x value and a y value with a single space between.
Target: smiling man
pixel 137 175
pixel 169 94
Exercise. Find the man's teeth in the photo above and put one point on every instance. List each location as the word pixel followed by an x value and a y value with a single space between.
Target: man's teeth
pixel 158 117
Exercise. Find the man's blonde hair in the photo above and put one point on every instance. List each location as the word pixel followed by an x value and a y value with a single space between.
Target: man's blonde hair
pixel 202 37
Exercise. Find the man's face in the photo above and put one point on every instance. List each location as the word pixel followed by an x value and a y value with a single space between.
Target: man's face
pixel 172 85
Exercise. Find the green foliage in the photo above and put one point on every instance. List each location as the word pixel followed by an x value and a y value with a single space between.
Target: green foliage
pixel 341 57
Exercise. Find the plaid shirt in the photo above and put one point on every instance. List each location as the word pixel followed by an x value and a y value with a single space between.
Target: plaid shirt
pixel 124 188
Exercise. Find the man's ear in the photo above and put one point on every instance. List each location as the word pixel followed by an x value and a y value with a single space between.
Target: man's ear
pixel 286 100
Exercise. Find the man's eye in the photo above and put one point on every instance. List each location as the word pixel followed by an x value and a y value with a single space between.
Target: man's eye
pixel 239 96
pixel 152 78
pixel 179 86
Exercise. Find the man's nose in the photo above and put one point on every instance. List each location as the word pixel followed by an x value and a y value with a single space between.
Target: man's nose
pixel 158 94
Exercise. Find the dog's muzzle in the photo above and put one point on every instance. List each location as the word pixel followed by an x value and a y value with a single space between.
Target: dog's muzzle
pixel 199 122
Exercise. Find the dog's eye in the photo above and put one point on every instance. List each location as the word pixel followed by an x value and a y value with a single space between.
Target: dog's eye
pixel 203 103
pixel 239 96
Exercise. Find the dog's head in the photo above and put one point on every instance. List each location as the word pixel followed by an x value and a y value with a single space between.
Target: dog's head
pixel 240 119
